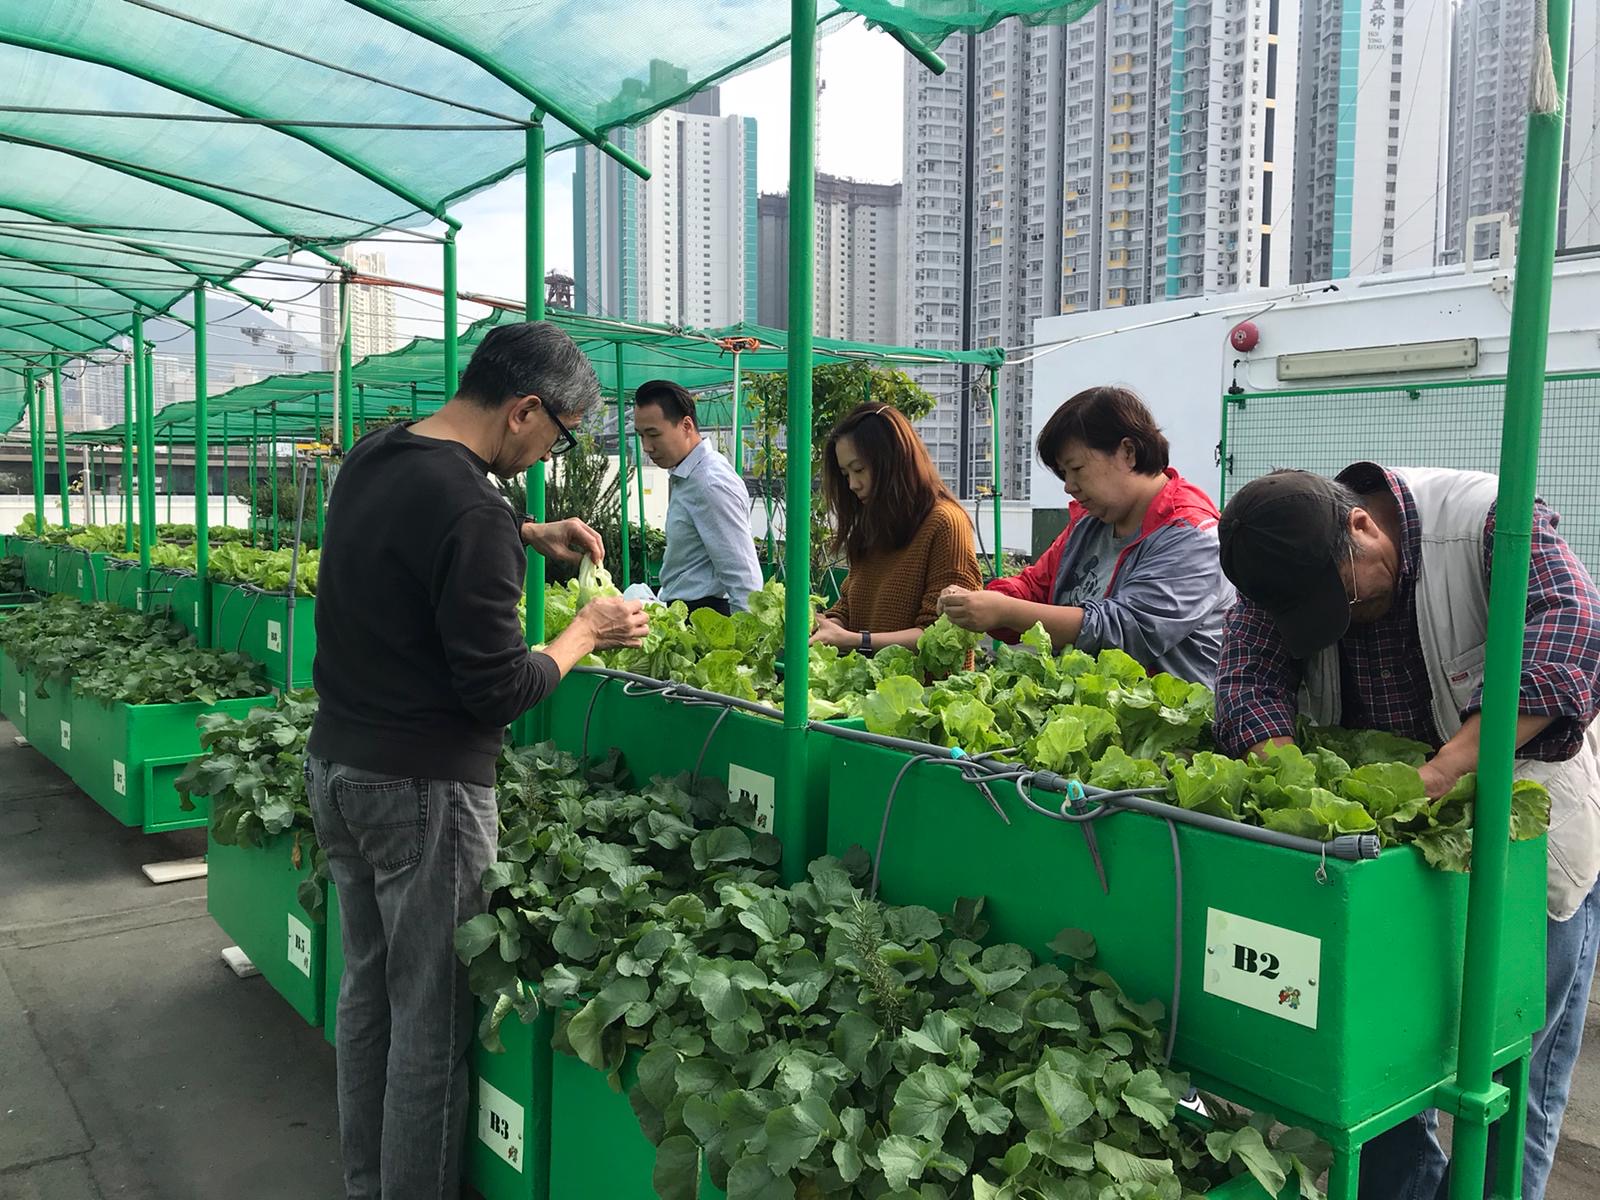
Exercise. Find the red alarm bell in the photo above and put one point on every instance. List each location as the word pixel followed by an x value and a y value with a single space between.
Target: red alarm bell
pixel 1244 337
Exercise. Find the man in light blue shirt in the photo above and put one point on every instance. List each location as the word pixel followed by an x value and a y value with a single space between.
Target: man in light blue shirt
pixel 711 556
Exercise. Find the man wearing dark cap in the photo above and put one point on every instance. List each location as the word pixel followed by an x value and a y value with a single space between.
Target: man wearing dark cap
pixel 1364 603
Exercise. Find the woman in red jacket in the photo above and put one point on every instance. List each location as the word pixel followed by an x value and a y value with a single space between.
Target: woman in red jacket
pixel 1135 568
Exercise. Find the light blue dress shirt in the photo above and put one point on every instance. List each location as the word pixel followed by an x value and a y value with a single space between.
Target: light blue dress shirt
pixel 710 551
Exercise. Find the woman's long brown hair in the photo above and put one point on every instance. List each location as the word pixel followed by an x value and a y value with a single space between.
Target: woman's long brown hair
pixel 905 485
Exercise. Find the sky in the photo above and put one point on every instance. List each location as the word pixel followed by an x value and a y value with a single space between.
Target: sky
pixel 859 137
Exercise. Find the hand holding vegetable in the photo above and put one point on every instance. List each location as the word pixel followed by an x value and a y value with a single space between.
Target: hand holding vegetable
pixel 830 633
pixel 978 611
pixel 613 622
pixel 566 541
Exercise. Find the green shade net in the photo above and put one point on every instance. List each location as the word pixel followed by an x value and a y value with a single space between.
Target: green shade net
pixel 410 379
pixel 935 20
pixel 173 155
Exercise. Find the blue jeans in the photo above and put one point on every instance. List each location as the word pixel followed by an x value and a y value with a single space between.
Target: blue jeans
pixel 1407 1162
pixel 407 856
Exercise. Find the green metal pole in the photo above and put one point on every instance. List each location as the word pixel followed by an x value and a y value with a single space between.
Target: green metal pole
pixel 638 483
pixel 452 372
pixel 61 445
pixel 347 421
pixel 738 434
pixel 127 456
pixel 791 824
pixel 622 469
pixel 227 458
pixel 994 430
pixel 317 420
pixel 36 437
pixel 533 234
pixel 1478 1099
pixel 361 406
pixel 767 492
pixel 202 470
pixel 167 483
pixel 147 446
pixel 255 494
pixel 414 400
pixel 272 469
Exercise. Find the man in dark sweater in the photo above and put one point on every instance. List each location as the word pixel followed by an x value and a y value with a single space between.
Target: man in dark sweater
pixel 421 664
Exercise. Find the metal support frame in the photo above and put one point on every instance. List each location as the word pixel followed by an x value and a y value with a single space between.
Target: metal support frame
pixel 452 371
pixel 1508 590
pixel 622 468
pixel 255 493
pixel 202 470
pixel 789 822
pixel 994 434
pixel 147 443
pixel 62 479
pixel 533 281
pixel 127 455
pixel 36 438
pixel 346 416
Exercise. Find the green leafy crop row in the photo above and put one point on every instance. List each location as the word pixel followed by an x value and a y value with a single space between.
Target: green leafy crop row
pixel 809 1042
pixel 113 655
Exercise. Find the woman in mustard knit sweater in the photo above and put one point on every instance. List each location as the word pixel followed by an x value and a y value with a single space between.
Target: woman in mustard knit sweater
pixel 905 537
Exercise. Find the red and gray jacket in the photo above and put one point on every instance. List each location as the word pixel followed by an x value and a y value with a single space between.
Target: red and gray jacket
pixel 1167 595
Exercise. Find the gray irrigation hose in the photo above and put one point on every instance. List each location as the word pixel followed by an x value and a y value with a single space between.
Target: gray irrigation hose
pixel 1177 939
pixel 694 776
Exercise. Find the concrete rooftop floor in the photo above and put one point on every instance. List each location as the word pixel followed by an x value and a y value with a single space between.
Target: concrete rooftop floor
pixel 134 1065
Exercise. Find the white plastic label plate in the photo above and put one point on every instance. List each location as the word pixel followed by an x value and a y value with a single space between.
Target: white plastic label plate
pixel 66 735
pixel 747 785
pixel 275 636
pixel 500 1123
pixel 1261 966
pixel 119 777
pixel 299 946
pixel 80 577
pixel 50 568
pixel 22 703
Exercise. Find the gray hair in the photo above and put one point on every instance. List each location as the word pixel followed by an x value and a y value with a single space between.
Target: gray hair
pixel 531 358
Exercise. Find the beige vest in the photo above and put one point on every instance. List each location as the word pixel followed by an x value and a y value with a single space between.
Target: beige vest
pixel 1452 624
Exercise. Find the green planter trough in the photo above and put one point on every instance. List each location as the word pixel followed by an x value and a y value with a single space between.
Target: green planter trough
pixel 127 757
pixel 1289 963
pixel 658 736
pixel 249 621
pixel 508 1116
pixel 251 892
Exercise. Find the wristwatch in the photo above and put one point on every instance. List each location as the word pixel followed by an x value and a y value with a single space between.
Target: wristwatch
pixel 866 641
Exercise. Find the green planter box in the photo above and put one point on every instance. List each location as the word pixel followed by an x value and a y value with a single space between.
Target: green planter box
pixel 1284 974
pixel 658 736
pixel 598 1149
pixel 127 756
pixel 39 566
pixel 48 722
pixel 251 893
pixel 333 973
pixel 13 694
pixel 126 584
pixel 508 1114
pixel 176 594
pixel 249 621
pixel 80 574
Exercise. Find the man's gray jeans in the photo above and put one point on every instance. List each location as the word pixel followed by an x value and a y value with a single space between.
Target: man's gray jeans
pixel 406 856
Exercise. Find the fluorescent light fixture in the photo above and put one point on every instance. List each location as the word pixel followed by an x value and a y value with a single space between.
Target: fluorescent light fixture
pixel 1454 354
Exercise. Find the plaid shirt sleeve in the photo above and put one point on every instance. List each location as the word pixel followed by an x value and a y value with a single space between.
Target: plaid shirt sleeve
pixel 1561 649
pixel 1256 682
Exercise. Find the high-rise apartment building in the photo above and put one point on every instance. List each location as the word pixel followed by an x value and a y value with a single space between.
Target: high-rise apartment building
pixel 1134 155
pixel 1493 60
pixel 373 329
pixel 679 248
pixel 1373 134
pixel 857 284
pixel 1580 198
